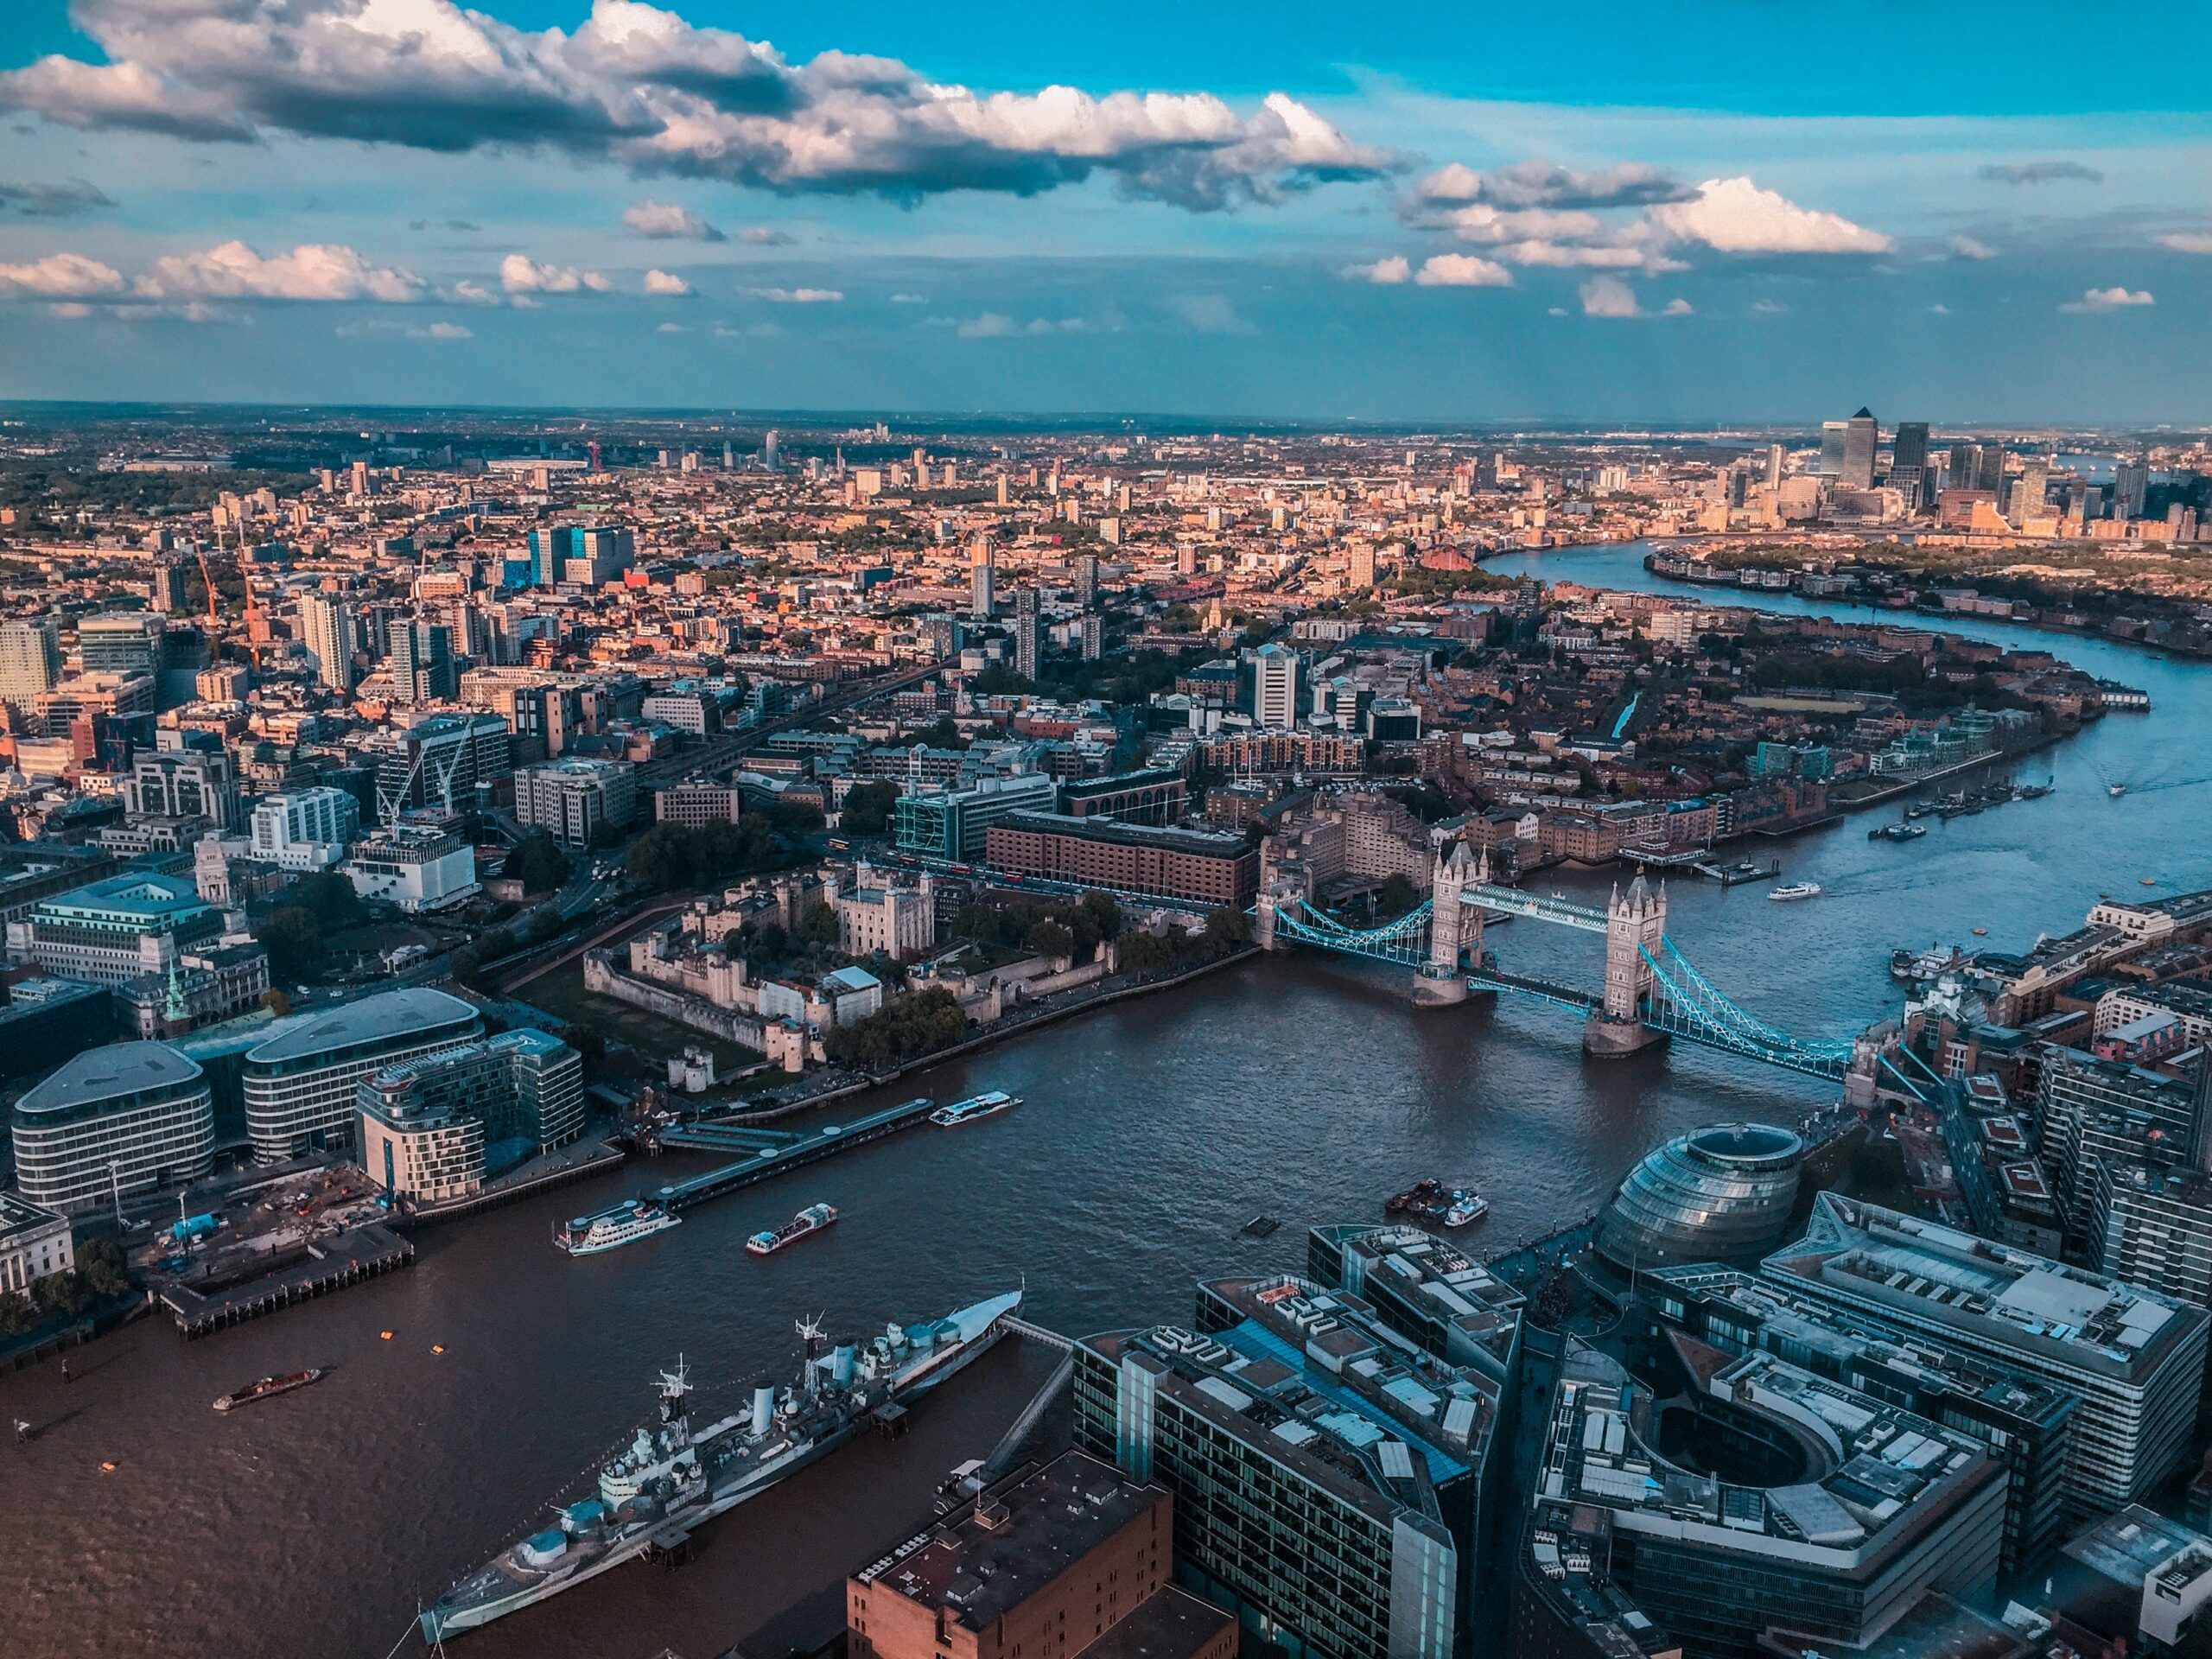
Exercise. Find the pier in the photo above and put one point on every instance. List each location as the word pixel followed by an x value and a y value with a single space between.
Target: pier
pixel 374 1250
pixel 769 1153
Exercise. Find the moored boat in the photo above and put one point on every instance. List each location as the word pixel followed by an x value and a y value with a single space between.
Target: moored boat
pixel 612 1228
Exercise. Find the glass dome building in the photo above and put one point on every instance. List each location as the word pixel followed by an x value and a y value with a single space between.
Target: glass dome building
pixel 1718 1194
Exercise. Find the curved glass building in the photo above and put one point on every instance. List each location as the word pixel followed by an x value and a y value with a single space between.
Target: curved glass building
pixel 1718 1194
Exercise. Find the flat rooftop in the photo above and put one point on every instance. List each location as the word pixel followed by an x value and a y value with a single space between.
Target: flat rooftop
pixel 108 1073
pixel 388 1014
pixel 1207 843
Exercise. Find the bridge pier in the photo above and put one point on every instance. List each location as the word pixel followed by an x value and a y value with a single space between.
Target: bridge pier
pixel 1434 989
pixel 1605 1038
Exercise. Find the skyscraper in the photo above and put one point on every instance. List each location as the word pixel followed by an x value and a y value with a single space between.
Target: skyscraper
pixel 1830 461
pixel 326 629
pixel 770 456
pixel 2029 490
pixel 1774 463
pixel 31 659
pixel 980 597
pixel 1861 436
pixel 421 661
pixel 2131 482
pixel 1025 633
pixel 1274 686
pixel 1086 578
pixel 1910 446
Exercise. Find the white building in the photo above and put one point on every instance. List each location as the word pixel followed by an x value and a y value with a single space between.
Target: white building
pixel 573 799
pixel 34 1244
pixel 875 915
pixel 417 867
pixel 301 1085
pixel 305 829
pixel 30 660
pixel 130 1117
pixel 1275 687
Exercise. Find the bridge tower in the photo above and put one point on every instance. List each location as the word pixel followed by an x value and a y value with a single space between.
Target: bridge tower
pixel 1454 929
pixel 1636 922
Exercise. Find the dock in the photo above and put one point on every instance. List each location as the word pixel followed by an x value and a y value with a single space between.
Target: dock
pixel 769 1153
pixel 366 1254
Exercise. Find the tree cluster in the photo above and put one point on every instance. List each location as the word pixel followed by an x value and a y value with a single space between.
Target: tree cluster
pixel 538 862
pixel 674 855
pixel 868 808
pixel 100 1276
pixel 905 1029
pixel 1073 929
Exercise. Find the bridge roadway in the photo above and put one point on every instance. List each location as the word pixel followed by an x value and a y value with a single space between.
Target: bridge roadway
pixel 1566 996
pixel 788 1151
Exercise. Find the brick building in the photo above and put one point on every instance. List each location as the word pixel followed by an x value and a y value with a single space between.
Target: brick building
pixel 1199 866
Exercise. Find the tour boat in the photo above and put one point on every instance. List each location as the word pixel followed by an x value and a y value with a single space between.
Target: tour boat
pixel 967 1111
pixel 1795 890
pixel 609 1229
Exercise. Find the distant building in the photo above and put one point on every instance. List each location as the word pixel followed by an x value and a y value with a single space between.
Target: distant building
pixel 1860 438
pixel 1026 633
pixel 301 1084
pixel 575 800
pixel 128 1117
pixel 183 783
pixel 951 824
pixel 981 574
pixel 121 642
pixel 417 867
pixel 421 662
pixel 434 1127
pixel 305 829
pixel 331 634
pixel 1276 671
pixel 1196 866
pixel 30 661
pixel 115 930
pixel 1069 1561
pixel 441 762
pixel 698 801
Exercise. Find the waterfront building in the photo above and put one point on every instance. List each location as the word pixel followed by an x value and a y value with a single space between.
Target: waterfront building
pixel 1330 1481
pixel 1156 795
pixel 1722 1194
pixel 2135 1357
pixel 416 866
pixel 952 824
pixel 304 829
pixel 1195 865
pixel 30 660
pixel 442 762
pixel 1426 1291
pixel 34 1243
pixel 125 1118
pixel 2089 1110
pixel 301 1084
pixel 1724 1498
pixel 2027 1423
pixel 575 800
pixel 433 1128
pixel 115 930
pixel 1070 1559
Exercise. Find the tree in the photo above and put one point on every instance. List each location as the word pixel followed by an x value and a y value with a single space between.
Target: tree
pixel 1228 927
pixel 1051 939
pixel 101 1265
pixel 1397 894
pixel 818 929
pixel 1105 913
pixel 16 1313
pixel 293 938
pixel 277 1002
pixel 330 899
pixel 905 1030
pixel 538 862
pixel 868 808
pixel 465 967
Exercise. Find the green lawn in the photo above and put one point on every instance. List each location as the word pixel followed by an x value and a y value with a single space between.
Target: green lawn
pixel 562 992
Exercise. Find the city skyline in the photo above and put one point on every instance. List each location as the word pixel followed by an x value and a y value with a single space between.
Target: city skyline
pixel 1588 217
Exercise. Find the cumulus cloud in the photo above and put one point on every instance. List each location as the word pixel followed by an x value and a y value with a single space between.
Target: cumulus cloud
pixel 765 236
pixel 520 274
pixel 1396 268
pixel 666 284
pixel 641 86
pixel 2189 241
pixel 435 331
pixel 474 294
pixel 1965 247
pixel 2041 173
pixel 1737 216
pixel 1546 184
pixel 449 331
pixel 1462 270
pixel 1768 307
pixel 910 299
pixel 797 295
pixel 60 277
pixel 669 328
pixel 1608 297
pixel 54 200
pixel 2110 299
pixel 328 272
pixel 662 221
pixel 996 325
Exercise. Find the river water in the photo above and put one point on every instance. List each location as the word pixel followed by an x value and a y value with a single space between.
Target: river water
pixel 1305 1088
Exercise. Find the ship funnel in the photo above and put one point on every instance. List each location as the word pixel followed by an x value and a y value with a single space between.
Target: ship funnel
pixel 841 1368
pixel 764 1407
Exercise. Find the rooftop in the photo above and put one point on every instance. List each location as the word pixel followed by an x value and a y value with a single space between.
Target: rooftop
pixel 103 1074
pixel 390 1013
pixel 19 1216
pixel 150 897
pixel 1208 843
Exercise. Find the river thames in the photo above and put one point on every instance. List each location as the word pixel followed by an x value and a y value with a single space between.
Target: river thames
pixel 1304 1088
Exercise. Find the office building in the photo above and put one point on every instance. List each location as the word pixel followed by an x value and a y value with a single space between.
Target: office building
pixel 304 829
pixel 1424 1289
pixel 2134 1357
pixel 1761 1498
pixel 416 865
pixel 2027 1423
pixel 589 556
pixel 121 642
pixel 1026 639
pixel 116 929
pixel 2030 490
pixel 203 987
pixel 1722 1194
pixel 1071 1560
pixel 2089 1110
pixel 1199 866
pixel 2131 485
pixel 1860 438
pixel 1275 673
pixel 328 630
pixel 1331 1483
pixel 698 801
pixel 435 1128
pixel 181 783
pixel 441 762
pixel 30 661
pixel 301 1084
pixel 1830 464
pixel 34 1243
pixel 1978 467
pixel 122 1119
pixel 1909 448
pixel 421 662
pixel 575 800
pixel 1154 795
pixel 951 824
pixel 980 573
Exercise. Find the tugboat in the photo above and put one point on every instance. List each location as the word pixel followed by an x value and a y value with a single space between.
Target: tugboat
pixel 611 1228
pixel 1429 1199
pixel 2115 789
pixel 967 1111
pixel 268 1387
pixel 812 1219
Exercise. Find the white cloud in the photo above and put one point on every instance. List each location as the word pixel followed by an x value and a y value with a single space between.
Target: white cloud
pixel 1480 222
pixel 662 221
pixel 449 331
pixel 2110 299
pixel 1737 216
pixel 666 284
pixel 910 299
pixel 68 310
pixel 669 328
pixel 996 324
pixel 1546 184
pixel 324 271
pixel 765 236
pixel 1768 307
pixel 641 86
pixel 1939 310
pixel 1678 306
pixel 474 294
pixel 1966 248
pixel 1608 297
pixel 1462 270
pixel 2189 241
pixel 1396 268
pixel 519 274
pixel 1567 256
pixel 797 295
pixel 60 277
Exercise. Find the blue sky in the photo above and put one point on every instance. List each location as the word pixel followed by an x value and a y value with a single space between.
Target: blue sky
pixel 1726 210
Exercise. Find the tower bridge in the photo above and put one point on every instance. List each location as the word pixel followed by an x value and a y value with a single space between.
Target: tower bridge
pixel 1650 992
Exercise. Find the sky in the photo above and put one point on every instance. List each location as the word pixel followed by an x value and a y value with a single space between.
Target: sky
pixel 1708 211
